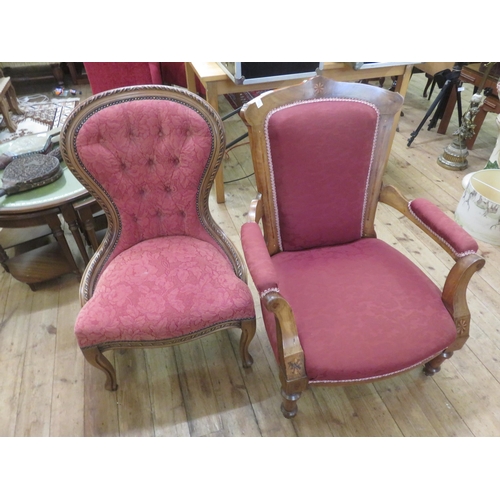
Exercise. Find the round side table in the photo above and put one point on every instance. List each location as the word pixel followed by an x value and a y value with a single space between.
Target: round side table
pixel 39 206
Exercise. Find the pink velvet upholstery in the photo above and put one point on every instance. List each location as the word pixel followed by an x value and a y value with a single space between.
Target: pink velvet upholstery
pixel 155 153
pixel 258 259
pixel 168 273
pixel 362 310
pixel 339 305
pixel 455 237
pixel 112 75
pixel 163 288
pixel 320 155
pixel 174 73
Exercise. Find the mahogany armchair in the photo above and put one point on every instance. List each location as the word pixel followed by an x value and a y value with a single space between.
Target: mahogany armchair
pixel 341 306
pixel 165 272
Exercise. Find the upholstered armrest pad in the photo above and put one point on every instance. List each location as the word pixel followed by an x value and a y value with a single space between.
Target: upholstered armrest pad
pixel 258 259
pixel 447 230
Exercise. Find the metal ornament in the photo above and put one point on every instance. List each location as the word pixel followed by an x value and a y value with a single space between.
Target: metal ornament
pixel 455 155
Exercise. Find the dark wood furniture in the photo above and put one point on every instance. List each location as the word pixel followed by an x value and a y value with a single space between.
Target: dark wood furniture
pixel 34 71
pixel 8 102
pixel 473 75
pixel 43 263
pixel 45 206
pixel 92 221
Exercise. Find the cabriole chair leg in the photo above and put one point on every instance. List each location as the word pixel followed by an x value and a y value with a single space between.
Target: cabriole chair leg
pixel 248 328
pixel 96 358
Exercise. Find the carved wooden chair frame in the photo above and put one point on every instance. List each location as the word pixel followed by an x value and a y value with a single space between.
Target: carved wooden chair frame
pixel 292 371
pixel 94 355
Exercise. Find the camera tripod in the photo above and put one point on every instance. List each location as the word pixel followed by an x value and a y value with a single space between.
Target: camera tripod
pixel 452 82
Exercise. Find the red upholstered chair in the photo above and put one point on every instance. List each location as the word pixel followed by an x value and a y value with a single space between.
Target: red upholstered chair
pixel 339 305
pixel 165 272
pixel 112 75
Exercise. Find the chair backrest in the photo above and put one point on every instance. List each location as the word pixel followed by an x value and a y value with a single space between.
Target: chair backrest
pixel 149 155
pixel 112 75
pixel 319 149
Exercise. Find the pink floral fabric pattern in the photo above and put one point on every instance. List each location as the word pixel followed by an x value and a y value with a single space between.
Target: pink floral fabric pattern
pixel 160 289
pixel 154 153
pixel 166 277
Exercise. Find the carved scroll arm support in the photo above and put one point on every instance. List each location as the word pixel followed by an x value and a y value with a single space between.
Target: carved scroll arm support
pixel 456 242
pixel 266 280
pixel 290 353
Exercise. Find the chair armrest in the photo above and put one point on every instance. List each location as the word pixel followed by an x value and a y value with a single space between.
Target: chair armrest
pixel 261 267
pixel 459 244
pixel 255 211
pixel 258 259
pixel 433 221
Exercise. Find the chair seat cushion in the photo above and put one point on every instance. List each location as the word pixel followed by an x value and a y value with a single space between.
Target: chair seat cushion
pixel 160 289
pixel 363 310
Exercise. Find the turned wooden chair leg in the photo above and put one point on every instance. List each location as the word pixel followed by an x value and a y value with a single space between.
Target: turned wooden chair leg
pixel 248 328
pixel 289 405
pixel 96 358
pixel 434 365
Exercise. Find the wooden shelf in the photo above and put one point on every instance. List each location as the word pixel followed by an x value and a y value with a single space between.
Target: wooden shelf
pixel 40 264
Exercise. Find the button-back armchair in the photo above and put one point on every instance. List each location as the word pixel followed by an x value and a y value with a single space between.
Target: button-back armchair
pixel 165 272
pixel 341 306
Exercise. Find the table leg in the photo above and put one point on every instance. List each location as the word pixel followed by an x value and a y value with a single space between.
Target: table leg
pixel 450 106
pixel 55 225
pixel 190 78
pixel 4 110
pixel 12 100
pixel 73 72
pixel 3 259
pixel 70 216
pixel 402 81
pixel 213 99
pixel 401 87
pixel 87 217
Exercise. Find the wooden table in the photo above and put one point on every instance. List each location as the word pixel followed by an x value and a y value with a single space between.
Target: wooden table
pixel 8 101
pixel 471 74
pixel 216 82
pixel 39 206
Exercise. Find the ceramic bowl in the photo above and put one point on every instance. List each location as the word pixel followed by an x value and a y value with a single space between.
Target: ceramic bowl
pixel 478 211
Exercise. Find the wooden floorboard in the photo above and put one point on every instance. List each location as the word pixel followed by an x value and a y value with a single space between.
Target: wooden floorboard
pixel 201 388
